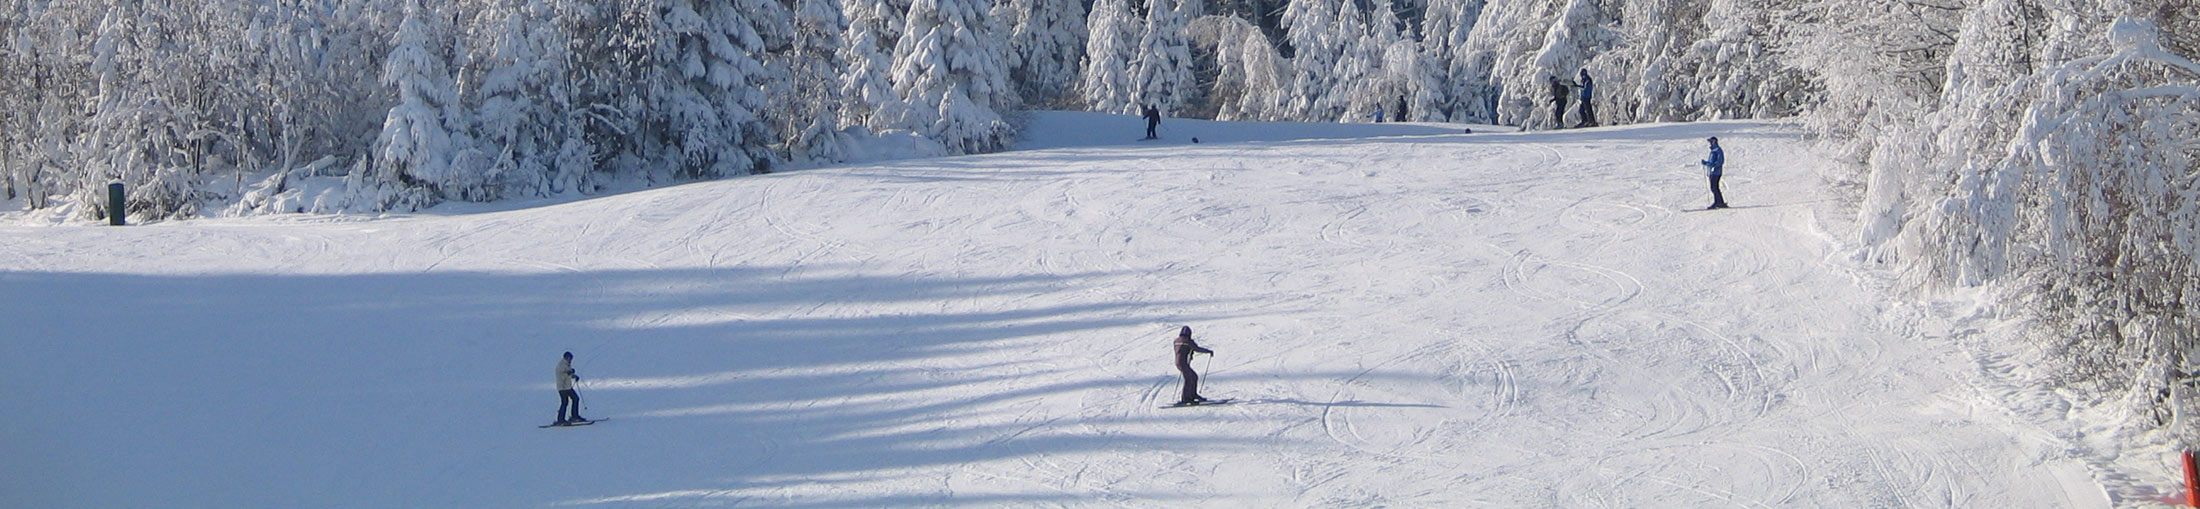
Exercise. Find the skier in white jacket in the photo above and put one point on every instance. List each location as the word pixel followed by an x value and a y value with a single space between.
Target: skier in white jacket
pixel 567 397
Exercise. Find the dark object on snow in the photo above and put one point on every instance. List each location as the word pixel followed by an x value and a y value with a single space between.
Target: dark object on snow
pixel 1195 139
pixel 1588 105
pixel 1469 130
pixel 1185 347
pixel 115 213
pixel 1210 402
pixel 1153 120
pixel 1399 114
pixel 1715 167
pixel 567 397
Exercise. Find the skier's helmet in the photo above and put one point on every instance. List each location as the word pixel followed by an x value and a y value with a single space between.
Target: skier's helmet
pixel 1184 332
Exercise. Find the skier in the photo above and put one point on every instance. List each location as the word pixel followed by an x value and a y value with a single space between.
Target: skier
pixel 1558 103
pixel 1153 120
pixel 1716 165
pixel 1399 115
pixel 1185 347
pixel 567 397
pixel 1588 107
pixel 1378 114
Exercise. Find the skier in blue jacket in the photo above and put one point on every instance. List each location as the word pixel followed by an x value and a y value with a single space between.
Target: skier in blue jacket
pixel 1715 166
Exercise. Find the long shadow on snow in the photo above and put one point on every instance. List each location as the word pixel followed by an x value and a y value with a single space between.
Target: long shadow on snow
pixel 426 385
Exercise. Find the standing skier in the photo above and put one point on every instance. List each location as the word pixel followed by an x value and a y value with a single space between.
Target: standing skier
pixel 1153 121
pixel 1558 103
pixel 1588 107
pixel 1715 166
pixel 567 397
pixel 1185 347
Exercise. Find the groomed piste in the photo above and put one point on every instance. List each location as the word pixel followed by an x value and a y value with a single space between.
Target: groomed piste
pixel 1407 315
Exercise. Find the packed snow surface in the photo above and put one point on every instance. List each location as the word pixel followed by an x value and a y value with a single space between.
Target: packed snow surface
pixel 1408 316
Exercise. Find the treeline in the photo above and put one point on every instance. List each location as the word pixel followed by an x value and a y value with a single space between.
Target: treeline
pixel 369 105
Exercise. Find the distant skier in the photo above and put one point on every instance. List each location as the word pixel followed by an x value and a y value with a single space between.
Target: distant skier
pixel 567 397
pixel 1378 114
pixel 1185 347
pixel 1715 166
pixel 1399 114
pixel 1558 103
pixel 1153 121
pixel 1588 106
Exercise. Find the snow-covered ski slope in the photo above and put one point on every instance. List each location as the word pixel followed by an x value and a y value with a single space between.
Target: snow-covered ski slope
pixel 1408 317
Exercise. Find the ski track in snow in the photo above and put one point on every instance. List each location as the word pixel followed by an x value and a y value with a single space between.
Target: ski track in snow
pixel 1421 320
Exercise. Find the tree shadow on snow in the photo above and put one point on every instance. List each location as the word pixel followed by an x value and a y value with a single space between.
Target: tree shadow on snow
pixel 397 389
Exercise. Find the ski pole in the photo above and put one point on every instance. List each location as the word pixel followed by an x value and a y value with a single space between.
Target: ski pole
pixel 1208 369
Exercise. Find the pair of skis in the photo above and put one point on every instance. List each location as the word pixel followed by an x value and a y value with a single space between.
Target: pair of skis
pixel 1211 402
pixel 572 424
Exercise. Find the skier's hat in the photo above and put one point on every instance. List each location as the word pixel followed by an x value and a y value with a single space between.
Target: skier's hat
pixel 1184 332
pixel 1713 139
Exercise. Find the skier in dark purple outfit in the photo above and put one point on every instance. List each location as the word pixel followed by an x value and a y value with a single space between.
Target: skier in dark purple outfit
pixel 1185 347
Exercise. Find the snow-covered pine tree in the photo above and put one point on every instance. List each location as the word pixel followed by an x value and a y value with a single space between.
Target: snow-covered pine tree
pixel 1161 75
pixel 1502 44
pixel 706 115
pixel 522 119
pixel 1416 80
pixel 1444 41
pixel 874 28
pixel 951 66
pixel 1047 41
pixel 1252 81
pixel 1366 86
pixel 811 62
pixel 1319 38
pixel 425 131
pixel 1111 51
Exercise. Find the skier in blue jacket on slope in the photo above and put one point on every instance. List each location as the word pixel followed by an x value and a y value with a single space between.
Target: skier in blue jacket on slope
pixel 1714 167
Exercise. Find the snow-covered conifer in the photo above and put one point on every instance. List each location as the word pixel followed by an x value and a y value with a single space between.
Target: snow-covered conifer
pixel 1319 36
pixel 1161 75
pixel 522 116
pixel 1253 82
pixel 1047 41
pixel 1444 41
pixel 874 28
pixel 805 119
pixel 425 131
pixel 1110 53
pixel 951 66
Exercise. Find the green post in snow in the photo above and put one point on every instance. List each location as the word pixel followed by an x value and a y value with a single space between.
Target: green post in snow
pixel 115 215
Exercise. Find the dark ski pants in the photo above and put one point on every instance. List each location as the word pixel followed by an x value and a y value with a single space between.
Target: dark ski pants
pixel 569 399
pixel 1718 199
pixel 1191 382
pixel 1558 114
pixel 1150 126
pixel 1588 114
